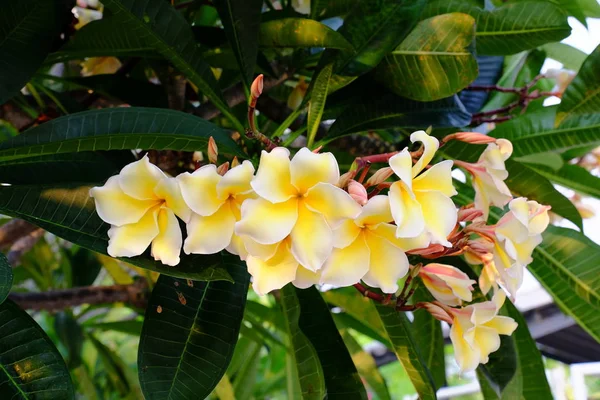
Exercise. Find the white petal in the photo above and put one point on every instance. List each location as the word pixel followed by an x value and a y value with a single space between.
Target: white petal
pixel 345 234
pixel 265 222
pixel 169 190
pixel 167 245
pixel 305 278
pixel 139 179
pixel 308 169
pixel 387 264
pixel 273 181
pixel 437 178
pixel 199 190
pixel 440 216
pixel 236 180
pixel 312 239
pixel 274 273
pixel 133 239
pixel 376 211
pixel 209 235
pixel 430 146
pixel 406 211
pixel 335 204
pixel 115 207
pixel 347 266
pixel 401 164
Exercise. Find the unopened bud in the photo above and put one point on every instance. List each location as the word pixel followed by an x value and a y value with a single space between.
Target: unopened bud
pixel 436 312
pixel 257 87
pixel 358 192
pixel 345 178
pixel 235 162
pixel 469 214
pixel 380 176
pixel 213 150
pixel 223 168
pixel 297 95
pixel 470 137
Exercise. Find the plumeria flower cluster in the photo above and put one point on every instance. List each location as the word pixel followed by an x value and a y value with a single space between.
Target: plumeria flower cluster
pixel 295 219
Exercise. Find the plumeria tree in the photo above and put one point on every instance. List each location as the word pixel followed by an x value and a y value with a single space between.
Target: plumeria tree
pixel 226 198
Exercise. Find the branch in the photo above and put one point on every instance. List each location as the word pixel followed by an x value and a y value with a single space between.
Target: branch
pixel 14 230
pixel 23 245
pixel 134 295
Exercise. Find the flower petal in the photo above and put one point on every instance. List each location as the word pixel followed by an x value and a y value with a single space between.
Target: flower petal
pixel 308 168
pixel 430 146
pixel 335 204
pixel 387 264
pixel 305 278
pixel 265 222
pixel 169 190
pixel 167 245
pixel 347 266
pixel 236 180
pixel 274 273
pixel 406 211
pixel 273 181
pixel 401 164
pixel 209 235
pixel 257 250
pixel 502 325
pixel 440 215
pixel 486 340
pixel 133 239
pixel 115 207
pixel 199 190
pixel 388 231
pixel 345 234
pixel 376 211
pixel 139 179
pixel 437 178
pixel 237 247
pixel 466 357
pixel 312 239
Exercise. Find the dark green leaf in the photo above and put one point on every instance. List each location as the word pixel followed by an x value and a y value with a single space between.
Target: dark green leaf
pixel 583 94
pixel 399 331
pixel 574 177
pixel 434 61
pixel 511 28
pixel 502 365
pixel 241 19
pixel 85 266
pixel 68 211
pixel 30 366
pixel 131 326
pixel 552 161
pixel 7 130
pixel 115 368
pixel 28 29
pixel 300 32
pixel 391 111
pixel 116 129
pixel 571 57
pixel 318 90
pixel 71 335
pixel 167 31
pixel 304 355
pixel 190 332
pixel 245 379
pixel 427 332
pixel 6 277
pixel 109 36
pixel 321 9
pixel 341 376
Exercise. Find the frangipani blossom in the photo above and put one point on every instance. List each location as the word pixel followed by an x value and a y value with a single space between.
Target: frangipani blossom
pixel 420 202
pixel 299 199
pixel 366 248
pixel 216 203
pixel 447 284
pixel 475 331
pixel 141 203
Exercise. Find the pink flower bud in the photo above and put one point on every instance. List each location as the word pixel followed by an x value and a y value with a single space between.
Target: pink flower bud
pixel 345 179
pixel 447 284
pixel 380 176
pixel 436 312
pixel 213 150
pixel 223 168
pixel 235 162
pixel 469 214
pixel 257 87
pixel 470 137
pixel 358 192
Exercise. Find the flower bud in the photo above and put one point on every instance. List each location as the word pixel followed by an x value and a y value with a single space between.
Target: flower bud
pixel 297 95
pixel 436 312
pixel 469 214
pixel 345 178
pixel 213 150
pixel 470 137
pixel 447 284
pixel 380 176
pixel 235 162
pixel 223 168
pixel 358 192
pixel 257 87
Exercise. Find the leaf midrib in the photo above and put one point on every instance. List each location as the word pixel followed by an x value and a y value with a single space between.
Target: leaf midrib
pixel 24 394
pixel 430 53
pixel 518 31
pixel 16 27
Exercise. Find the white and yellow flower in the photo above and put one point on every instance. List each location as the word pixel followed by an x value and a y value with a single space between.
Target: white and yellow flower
pixel 366 248
pixel 447 284
pixel 216 203
pixel 420 202
pixel 299 199
pixel 476 331
pixel 141 204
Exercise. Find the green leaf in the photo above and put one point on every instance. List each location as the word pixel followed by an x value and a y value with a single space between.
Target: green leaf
pixel 167 31
pixel 399 331
pixel 6 278
pixel 30 366
pixel 574 177
pixel 316 322
pixel 68 211
pixel 117 129
pixel 391 111
pixel 318 90
pixel 117 371
pixel 308 366
pixel 321 9
pixel 524 181
pixel 434 61
pixel 571 57
pixel 551 161
pixel 109 36
pixel 71 335
pixel 502 365
pixel 427 332
pixel 130 326
pixel 241 19
pixel 28 29
pixel 511 28
pixel 583 94
pixel 190 332
pixel 300 32
pixel 366 366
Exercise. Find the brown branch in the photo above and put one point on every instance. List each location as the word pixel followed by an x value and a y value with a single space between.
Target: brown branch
pixel 13 230
pixel 23 245
pixel 134 295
